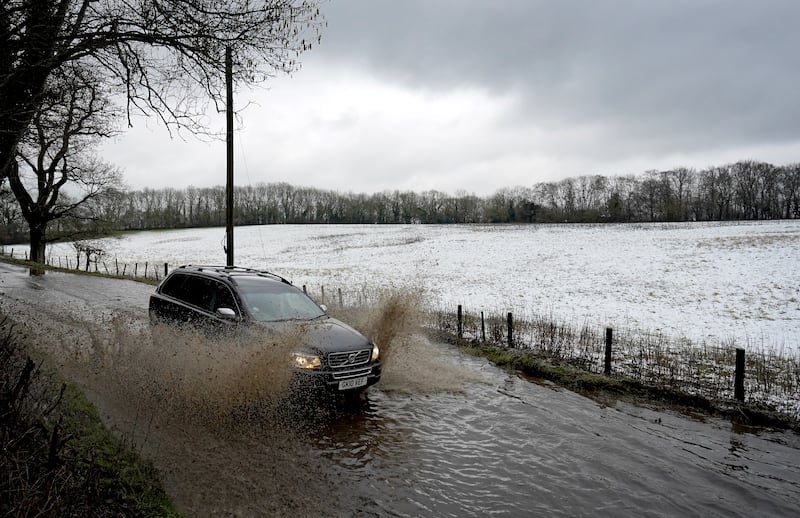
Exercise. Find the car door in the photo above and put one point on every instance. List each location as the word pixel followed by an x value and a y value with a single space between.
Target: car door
pixel 206 296
pixel 170 303
pixel 186 298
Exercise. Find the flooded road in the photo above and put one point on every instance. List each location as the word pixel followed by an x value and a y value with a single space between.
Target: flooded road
pixel 443 434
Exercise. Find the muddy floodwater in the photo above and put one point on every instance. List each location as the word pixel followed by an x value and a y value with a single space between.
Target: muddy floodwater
pixel 443 434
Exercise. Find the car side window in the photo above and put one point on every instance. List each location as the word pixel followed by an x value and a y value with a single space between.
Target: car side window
pixel 197 292
pixel 174 286
pixel 223 298
pixel 206 294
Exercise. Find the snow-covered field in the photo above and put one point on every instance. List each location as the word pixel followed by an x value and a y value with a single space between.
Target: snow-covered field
pixel 718 281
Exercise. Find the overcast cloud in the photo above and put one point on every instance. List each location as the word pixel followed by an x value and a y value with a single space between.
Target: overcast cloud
pixel 478 95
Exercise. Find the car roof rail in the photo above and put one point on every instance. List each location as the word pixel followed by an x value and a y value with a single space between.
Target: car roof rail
pixel 235 269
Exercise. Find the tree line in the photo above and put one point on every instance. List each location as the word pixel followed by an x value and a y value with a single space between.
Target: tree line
pixel 745 190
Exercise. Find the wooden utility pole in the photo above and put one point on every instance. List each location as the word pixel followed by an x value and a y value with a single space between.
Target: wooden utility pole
pixel 229 139
pixel 607 360
pixel 738 380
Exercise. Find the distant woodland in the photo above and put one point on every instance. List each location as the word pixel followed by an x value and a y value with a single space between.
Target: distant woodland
pixel 746 190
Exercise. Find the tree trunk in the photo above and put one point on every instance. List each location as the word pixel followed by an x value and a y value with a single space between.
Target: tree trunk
pixel 38 242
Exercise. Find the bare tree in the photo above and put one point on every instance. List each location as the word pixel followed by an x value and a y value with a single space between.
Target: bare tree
pixel 716 193
pixel 166 57
pixel 649 196
pixel 11 222
pixel 679 183
pixel 746 180
pixel 790 182
pixel 55 174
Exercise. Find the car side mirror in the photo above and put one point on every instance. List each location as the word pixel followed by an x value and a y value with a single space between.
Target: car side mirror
pixel 226 313
pixel 323 307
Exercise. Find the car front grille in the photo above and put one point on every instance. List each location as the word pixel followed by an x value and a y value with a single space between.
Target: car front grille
pixel 349 359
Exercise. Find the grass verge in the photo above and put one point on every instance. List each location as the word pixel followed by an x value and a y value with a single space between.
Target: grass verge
pixel 56 456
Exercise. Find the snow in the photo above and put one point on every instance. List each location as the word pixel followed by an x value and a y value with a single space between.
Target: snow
pixel 719 282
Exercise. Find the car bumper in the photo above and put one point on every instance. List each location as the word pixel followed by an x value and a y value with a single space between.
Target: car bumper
pixel 337 381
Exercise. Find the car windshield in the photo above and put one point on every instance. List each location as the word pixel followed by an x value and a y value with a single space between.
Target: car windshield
pixel 269 301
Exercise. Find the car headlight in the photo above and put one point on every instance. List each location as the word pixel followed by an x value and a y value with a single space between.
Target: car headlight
pixel 375 352
pixel 306 361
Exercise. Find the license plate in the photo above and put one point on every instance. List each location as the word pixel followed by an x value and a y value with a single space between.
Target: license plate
pixel 353 383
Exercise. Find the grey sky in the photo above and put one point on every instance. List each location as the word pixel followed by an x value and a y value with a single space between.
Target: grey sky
pixel 480 95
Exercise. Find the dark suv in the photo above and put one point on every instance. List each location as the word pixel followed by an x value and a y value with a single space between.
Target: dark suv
pixel 224 300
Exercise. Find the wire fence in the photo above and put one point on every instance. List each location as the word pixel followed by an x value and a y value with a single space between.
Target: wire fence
pixel 771 377
pixel 97 264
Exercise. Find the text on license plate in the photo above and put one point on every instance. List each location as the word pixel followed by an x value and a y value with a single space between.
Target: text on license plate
pixel 353 383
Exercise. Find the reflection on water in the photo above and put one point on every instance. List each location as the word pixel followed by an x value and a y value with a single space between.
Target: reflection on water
pixel 506 446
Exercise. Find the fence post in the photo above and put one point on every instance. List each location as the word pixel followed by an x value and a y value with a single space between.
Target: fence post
pixel 510 330
pixel 609 340
pixel 323 294
pixel 340 297
pixel 460 323
pixel 483 328
pixel 738 382
pixel 165 271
